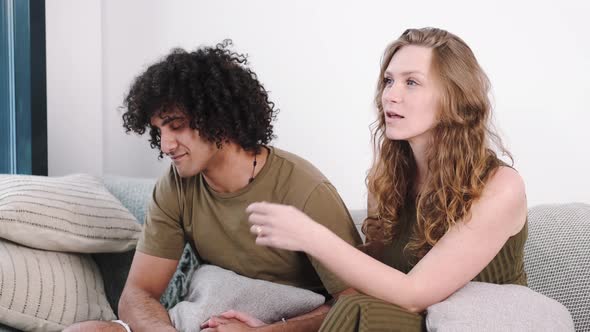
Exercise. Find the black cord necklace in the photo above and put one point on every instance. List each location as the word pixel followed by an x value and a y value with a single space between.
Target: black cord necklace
pixel 253 169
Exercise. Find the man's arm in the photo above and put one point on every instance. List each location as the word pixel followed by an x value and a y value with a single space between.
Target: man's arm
pixel 139 305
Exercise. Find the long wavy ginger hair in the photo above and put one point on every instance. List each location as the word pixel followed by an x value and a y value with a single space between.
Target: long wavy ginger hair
pixel 460 156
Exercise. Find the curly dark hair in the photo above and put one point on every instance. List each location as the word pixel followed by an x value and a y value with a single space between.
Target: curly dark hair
pixel 212 85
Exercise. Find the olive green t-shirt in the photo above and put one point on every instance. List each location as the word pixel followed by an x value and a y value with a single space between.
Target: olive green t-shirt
pixel 216 226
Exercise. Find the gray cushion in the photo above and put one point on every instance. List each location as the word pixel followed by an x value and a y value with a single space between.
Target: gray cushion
pixel 504 308
pixel 214 290
pixel 557 259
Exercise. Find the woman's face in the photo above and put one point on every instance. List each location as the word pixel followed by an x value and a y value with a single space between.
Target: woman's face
pixel 410 95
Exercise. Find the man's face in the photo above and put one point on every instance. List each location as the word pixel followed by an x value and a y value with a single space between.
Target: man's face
pixel 189 152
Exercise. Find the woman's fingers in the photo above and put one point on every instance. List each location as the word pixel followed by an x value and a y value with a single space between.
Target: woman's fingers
pixel 244 318
pixel 264 241
pixel 269 221
pixel 258 219
pixel 259 207
pixel 256 230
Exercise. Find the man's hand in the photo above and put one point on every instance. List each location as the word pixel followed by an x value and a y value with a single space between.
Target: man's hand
pixel 95 326
pixel 232 321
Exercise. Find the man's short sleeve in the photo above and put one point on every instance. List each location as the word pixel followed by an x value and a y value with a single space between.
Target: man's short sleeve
pixel 325 206
pixel 163 234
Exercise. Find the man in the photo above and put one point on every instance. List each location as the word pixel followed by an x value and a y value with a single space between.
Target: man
pixel 210 115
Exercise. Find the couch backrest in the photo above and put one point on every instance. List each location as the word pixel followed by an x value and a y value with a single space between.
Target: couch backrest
pixel 134 193
pixel 557 257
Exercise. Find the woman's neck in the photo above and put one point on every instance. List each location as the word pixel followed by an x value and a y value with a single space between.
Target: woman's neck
pixel 420 152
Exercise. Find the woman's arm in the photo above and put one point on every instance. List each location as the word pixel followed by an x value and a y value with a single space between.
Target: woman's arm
pixel 463 252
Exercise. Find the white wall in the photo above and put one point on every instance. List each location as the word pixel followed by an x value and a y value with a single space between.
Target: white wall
pixel 320 61
pixel 74 87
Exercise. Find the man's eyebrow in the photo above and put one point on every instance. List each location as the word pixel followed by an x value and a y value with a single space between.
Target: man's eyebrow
pixel 169 119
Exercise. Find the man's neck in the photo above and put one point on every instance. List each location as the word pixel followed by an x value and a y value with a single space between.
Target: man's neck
pixel 232 168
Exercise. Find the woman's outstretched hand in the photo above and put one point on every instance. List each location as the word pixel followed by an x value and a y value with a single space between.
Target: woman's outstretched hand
pixel 282 226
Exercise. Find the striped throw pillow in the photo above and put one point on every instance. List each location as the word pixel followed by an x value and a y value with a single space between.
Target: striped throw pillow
pixel 74 213
pixel 47 291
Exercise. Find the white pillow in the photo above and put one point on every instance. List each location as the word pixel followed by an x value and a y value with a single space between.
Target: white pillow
pixel 214 290
pixel 504 308
pixel 47 291
pixel 74 213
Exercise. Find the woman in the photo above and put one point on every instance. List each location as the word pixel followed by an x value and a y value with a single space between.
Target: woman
pixel 443 208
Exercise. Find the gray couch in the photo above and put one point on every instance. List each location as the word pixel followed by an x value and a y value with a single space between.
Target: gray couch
pixel 557 257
